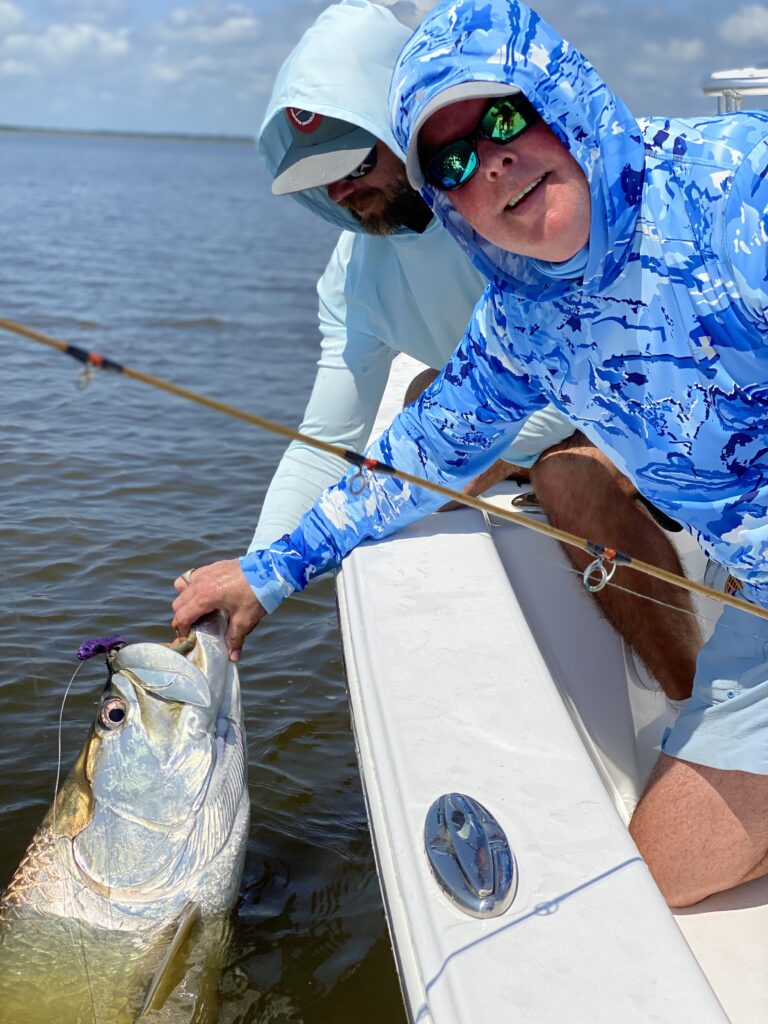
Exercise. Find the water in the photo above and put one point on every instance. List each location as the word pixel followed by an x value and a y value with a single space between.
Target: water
pixel 175 259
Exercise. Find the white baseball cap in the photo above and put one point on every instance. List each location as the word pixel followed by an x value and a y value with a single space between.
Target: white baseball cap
pixel 324 149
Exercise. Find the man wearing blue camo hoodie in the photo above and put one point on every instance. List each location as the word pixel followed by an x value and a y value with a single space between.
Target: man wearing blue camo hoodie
pixel 626 265
pixel 398 282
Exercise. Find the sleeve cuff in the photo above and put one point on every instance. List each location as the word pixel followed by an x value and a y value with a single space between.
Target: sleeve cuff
pixel 269 587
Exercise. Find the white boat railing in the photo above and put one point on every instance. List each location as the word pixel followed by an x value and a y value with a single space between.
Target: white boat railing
pixel 731 87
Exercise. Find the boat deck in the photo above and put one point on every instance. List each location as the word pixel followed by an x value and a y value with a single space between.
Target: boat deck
pixel 477 663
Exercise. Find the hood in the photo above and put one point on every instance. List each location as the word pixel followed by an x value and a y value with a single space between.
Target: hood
pixel 506 42
pixel 341 68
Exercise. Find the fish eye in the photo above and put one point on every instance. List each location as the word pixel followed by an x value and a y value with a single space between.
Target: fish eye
pixel 112 713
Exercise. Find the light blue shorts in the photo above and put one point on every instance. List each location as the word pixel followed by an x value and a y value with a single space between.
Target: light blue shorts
pixel 540 431
pixel 724 724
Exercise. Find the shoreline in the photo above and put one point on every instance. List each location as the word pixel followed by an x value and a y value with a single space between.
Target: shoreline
pixel 239 140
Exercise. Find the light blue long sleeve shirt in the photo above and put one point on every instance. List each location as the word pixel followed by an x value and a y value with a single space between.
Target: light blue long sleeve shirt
pixel 408 292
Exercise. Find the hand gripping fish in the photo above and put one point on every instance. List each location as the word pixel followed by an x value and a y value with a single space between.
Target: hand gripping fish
pixel 147 835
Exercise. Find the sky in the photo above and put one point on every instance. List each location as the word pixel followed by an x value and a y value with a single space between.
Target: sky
pixel 206 66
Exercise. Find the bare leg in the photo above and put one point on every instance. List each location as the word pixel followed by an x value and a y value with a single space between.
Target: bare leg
pixel 419 383
pixel 701 830
pixel 583 492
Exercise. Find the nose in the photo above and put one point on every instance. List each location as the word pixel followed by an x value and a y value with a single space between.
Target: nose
pixel 494 159
pixel 340 190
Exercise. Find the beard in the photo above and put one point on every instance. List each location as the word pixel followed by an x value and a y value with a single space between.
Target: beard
pixel 403 208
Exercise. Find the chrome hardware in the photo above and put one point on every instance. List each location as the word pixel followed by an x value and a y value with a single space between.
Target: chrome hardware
pixel 470 855
pixel 596 576
pixel 358 481
pixel 527 501
pixel 731 86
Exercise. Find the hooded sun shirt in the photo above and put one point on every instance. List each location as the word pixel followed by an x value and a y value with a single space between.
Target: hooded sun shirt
pixel 657 350
pixel 406 292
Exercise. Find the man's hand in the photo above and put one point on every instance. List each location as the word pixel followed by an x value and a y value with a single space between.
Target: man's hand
pixel 219 585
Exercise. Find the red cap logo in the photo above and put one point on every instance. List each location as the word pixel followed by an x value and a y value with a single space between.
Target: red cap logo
pixel 305 121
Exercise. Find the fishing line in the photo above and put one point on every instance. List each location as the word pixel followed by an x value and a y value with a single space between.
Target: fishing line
pixel 59 752
pixel 93 361
pixel 79 948
pixel 611 585
pixel 697 614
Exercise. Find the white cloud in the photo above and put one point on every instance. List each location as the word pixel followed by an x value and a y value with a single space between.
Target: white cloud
pixel 88 10
pixel 749 24
pixel 203 64
pixel 16 68
pixel 180 17
pixel 233 30
pixel 590 11
pixel 685 50
pixel 165 73
pixel 200 66
pixel 211 25
pixel 10 16
pixel 208 45
pixel 207 64
pixel 61 43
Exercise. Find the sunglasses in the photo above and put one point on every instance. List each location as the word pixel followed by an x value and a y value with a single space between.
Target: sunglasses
pixel 504 120
pixel 365 166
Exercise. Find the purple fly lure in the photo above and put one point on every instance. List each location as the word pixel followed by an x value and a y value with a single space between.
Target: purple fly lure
pixel 100 645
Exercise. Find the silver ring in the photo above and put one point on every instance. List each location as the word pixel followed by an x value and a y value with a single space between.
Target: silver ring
pixel 596 576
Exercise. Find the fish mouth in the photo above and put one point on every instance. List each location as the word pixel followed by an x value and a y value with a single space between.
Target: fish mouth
pixel 523 195
pixel 214 625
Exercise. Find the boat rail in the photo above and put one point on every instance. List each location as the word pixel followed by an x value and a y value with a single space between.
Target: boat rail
pixel 730 87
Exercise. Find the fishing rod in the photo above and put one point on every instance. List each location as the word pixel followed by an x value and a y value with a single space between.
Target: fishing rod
pixel 595 576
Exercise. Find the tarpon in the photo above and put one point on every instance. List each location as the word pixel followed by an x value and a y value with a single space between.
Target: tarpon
pixel 147 835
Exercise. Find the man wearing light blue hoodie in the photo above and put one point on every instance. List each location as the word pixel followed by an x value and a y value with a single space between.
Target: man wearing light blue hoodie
pixel 626 267
pixel 398 282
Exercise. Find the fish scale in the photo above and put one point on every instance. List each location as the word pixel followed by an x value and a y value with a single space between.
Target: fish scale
pixel 58 907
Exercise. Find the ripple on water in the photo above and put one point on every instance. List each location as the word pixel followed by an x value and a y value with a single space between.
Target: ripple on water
pixel 135 250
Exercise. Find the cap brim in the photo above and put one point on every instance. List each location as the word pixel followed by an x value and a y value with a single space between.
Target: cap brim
pixel 311 166
pixel 454 94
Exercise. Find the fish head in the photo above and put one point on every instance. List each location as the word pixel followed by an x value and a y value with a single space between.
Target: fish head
pixel 164 766
pixel 155 730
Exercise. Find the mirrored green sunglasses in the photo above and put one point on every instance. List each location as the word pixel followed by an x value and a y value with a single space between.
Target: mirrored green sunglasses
pixel 503 120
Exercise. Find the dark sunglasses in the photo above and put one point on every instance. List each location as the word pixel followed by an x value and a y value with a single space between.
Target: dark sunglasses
pixel 365 166
pixel 503 120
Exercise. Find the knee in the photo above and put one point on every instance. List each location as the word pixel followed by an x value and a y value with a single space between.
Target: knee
pixel 667 871
pixel 419 383
pixel 572 482
pixel 701 830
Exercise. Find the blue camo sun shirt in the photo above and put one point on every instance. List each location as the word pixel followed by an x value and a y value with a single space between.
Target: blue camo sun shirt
pixel 658 353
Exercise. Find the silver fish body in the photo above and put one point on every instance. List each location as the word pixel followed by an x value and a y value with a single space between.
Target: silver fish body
pixel 152 821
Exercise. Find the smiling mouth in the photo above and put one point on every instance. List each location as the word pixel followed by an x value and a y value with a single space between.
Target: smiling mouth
pixel 525 193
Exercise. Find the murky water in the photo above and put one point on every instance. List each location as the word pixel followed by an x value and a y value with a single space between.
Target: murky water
pixel 175 259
